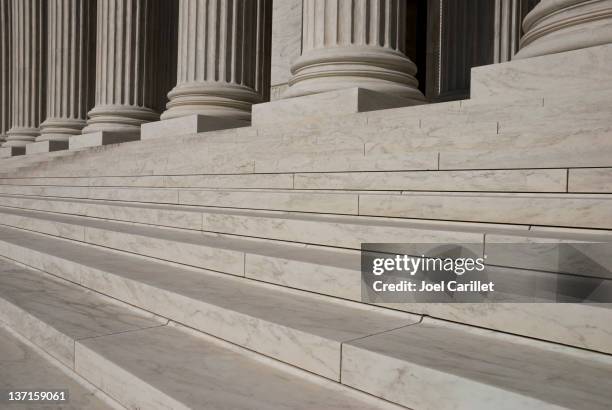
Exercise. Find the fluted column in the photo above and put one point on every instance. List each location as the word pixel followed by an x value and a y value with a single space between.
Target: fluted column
pixel 223 58
pixel 354 43
pixel 555 26
pixel 28 70
pixel 130 54
pixel 5 68
pixel 70 67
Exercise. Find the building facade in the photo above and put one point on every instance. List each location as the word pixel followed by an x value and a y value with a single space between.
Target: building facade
pixel 83 66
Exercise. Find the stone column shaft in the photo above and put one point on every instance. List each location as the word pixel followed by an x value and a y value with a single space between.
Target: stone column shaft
pixel 71 46
pixel 354 43
pixel 5 68
pixel 223 58
pixel 129 53
pixel 28 70
pixel 554 26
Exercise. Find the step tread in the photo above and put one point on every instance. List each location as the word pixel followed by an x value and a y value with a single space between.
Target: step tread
pixel 184 367
pixel 22 368
pixel 479 362
pixel 198 373
pixel 244 312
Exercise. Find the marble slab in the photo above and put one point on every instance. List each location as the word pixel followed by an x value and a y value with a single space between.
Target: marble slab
pixel 434 365
pixel 8 152
pixel 583 211
pixel 286 39
pixel 272 200
pixel 328 104
pixel 168 368
pixel 97 139
pixel 308 332
pixel 45 146
pixel 495 180
pixel 191 124
pixel 590 180
pixel 22 368
pixel 53 315
pixel 578 70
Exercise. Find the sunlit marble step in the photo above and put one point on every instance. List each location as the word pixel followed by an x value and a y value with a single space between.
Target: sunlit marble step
pixel 571 210
pixel 564 210
pixel 326 271
pixel 328 230
pixel 114 346
pixel 301 329
pixel 24 368
pixel 53 314
pixel 585 180
pixel 288 200
pixel 443 366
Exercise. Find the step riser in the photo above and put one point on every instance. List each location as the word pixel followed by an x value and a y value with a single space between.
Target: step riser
pixel 306 351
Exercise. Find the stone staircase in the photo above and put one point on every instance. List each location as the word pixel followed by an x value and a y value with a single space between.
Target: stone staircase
pixel 222 270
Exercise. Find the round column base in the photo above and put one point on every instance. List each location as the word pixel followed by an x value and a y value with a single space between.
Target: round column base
pixel 60 129
pixel 119 119
pixel 21 136
pixel 211 99
pixel 565 25
pixel 377 69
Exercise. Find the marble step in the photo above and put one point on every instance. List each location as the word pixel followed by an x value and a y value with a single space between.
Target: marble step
pixel 308 332
pixel 328 230
pixel 283 200
pixel 328 271
pixel 443 366
pixel 572 210
pixel 113 346
pixel 23 368
pixel 586 180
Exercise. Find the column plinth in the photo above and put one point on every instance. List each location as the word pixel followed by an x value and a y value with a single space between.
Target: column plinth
pixel 28 71
pixel 555 26
pixel 354 43
pixel 223 58
pixel 70 68
pixel 5 68
pixel 130 64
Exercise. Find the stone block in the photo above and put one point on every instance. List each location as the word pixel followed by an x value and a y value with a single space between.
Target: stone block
pixel 329 104
pixel 191 124
pixel 97 139
pixel 45 146
pixel 7 152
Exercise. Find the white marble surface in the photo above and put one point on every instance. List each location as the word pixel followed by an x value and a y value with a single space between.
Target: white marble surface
pixel 53 314
pixel 45 146
pixel 580 211
pixel 491 181
pixel 21 368
pixel 578 70
pixel 307 332
pixel 191 124
pixel 96 139
pixel 590 180
pixel 166 368
pixel 437 366
pixel 286 39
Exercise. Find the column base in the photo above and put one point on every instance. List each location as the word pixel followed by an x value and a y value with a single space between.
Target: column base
pixel 8 152
pixel 97 139
pixel 60 129
pixel 329 104
pixel 20 137
pixel 191 124
pixel 122 119
pixel 42 147
pixel 222 100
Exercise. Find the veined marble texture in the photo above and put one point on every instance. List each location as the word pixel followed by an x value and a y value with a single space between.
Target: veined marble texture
pixel 581 211
pixel 168 368
pixel 590 180
pixel 434 365
pixel 307 332
pixel 286 38
pixel 21 368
